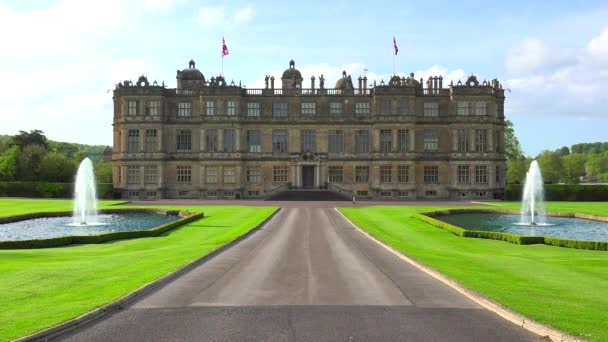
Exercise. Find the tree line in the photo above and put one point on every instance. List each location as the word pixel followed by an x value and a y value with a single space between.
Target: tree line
pixel 30 156
pixel 581 162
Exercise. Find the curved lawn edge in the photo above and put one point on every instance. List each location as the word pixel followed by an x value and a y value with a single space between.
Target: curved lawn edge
pixel 99 238
pixel 429 217
pixel 63 327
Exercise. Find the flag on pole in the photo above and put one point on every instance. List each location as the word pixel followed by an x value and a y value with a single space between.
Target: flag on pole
pixel 224 48
pixel 395 45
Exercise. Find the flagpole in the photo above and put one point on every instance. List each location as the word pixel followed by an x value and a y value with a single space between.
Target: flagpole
pixel 222 55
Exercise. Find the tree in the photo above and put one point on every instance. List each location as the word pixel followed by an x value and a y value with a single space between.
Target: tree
pixel 35 137
pixel 8 163
pixel 564 151
pixel 574 168
pixel 30 161
pixel 103 172
pixel 512 146
pixel 55 167
pixel 517 169
pixel 550 163
pixel 596 164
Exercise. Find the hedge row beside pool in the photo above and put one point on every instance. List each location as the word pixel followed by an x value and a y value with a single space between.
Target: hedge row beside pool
pixel 508 237
pixel 101 238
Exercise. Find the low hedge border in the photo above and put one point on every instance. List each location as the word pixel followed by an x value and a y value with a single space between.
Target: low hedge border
pixel 513 238
pixel 101 238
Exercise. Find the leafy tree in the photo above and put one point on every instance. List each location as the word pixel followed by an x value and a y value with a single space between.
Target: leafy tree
pixel 564 151
pixel 35 137
pixel 103 172
pixel 9 163
pixel 550 164
pixel 596 164
pixel 517 169
pixel 512 146
pixel 30 161
pixel 574 168
pixel 55 167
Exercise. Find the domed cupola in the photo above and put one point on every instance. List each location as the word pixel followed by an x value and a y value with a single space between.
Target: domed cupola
pixel 345 82
pixel 292 78
pixel 190 74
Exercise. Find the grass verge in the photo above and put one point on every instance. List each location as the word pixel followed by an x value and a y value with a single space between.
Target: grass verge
pixel 561 287
pixel 43 287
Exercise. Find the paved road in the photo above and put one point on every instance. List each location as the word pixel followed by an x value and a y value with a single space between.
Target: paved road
pixel 305 276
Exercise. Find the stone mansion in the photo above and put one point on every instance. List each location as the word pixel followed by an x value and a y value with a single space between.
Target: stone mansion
pixel 404 139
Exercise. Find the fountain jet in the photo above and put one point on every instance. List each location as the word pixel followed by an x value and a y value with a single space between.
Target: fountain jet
pixel 85 194
pixel 532 204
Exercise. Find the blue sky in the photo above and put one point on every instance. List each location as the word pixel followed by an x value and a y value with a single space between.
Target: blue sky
pixel 60 58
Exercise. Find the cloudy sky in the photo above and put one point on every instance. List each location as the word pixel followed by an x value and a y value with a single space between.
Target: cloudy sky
pixel 60 59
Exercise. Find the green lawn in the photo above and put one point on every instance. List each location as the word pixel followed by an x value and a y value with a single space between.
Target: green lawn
pixel 42 287
pixel 561 287
pixel 18 206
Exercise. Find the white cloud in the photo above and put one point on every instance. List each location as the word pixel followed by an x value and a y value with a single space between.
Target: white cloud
pixel 213 16
pixel 552 84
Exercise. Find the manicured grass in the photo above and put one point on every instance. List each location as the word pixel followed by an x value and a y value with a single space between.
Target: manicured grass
pixel 19 206
pixel 40 288
pixel 561 287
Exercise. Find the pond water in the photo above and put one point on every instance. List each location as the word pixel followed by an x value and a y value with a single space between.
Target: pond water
pixel 562 227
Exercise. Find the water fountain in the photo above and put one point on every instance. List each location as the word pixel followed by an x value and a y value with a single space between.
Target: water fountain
pixel 85 195
pixel 532 203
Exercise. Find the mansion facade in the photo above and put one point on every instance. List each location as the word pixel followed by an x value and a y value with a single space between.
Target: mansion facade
pixel 406 139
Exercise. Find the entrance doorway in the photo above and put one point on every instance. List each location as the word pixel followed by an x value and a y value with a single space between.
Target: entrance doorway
pixel 308 176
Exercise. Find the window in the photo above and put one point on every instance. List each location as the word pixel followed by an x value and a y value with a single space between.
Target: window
pixel 461 137
pixel 253 193
pixel 463 108
pixel 386 140
pixel 254 176
pixel 335 141
pixel 184 174
pixel 480 108
pixel 403 136
pixel 132 174
pixel 211 175
pixel 404 194
pixel 385 107
pixel 230 107
pixel 253 109
pixel 361 174
pixel 463 174
pixel 184 109
pixel 228 194
pixel 152 107
pixel 133 140
pixel 430 193
pixel 386 193
pixel 403 174
pixel 336 109
pixel 150 143
pixel 253 141
pixel 211 140
pixel 279 174
pixel 481 174
pixel 402 107
pixel 279 110
pixel 336 174
pixel 497 141
pixel 431 174
pixel 361 141
pixel 498 175
pixel 132 108
pixel 481 140
pixel 431 109
pixel 184 140
pixel 211 194
pixel 361 109
pixel 279 141
pixel 229 177
pixel 308 140
pixel 210 105
pixel 431 140
pixel 386 174
pixel 362 193
pixel 150 174
pixel 229 140
pixel 309 109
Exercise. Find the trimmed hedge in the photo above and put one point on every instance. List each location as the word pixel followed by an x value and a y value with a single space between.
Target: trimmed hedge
pixel 101 238
pixel 508 237
pixel 563 192
pixel 49 190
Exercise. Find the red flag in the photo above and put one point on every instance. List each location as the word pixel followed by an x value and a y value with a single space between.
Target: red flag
pixel 395 44
pixel 224 48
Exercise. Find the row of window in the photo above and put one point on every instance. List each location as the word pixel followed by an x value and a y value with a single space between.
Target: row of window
pixel 280 109
pixel 308 140
pixel 481 174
